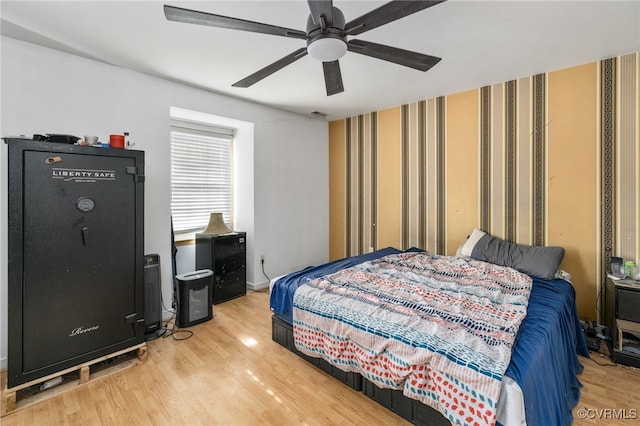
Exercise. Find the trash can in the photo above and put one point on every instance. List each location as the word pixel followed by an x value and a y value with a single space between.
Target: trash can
pixel 193 300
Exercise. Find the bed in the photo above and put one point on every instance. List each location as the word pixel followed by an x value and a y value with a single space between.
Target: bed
pixel 317 314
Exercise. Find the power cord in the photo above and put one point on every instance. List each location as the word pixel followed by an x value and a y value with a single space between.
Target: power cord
pixel 599 306
pixel 264 273
pixel 263 290
pixel 600 364
pixel 593 335
pixel 172 329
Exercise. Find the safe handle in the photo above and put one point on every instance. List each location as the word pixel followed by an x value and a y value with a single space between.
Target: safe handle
pixel 85 236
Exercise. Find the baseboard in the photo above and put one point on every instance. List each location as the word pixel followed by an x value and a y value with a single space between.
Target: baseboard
pixel 258 286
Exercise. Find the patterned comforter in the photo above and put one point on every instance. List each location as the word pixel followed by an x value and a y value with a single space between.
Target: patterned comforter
pixel 439 328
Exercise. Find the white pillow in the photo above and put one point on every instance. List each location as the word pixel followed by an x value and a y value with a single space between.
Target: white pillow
pixel 467 248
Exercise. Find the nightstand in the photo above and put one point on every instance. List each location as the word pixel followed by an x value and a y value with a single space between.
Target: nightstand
pixel 622 316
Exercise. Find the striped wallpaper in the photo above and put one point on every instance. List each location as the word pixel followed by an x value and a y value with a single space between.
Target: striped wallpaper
pixel 551 159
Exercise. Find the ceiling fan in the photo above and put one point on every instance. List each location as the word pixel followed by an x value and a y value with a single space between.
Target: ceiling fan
pixel 326 37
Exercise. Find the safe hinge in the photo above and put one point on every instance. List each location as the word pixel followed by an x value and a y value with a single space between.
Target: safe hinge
pixel 133 170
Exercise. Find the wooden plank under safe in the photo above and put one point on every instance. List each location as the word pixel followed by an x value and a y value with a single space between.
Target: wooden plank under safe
pixel 11 400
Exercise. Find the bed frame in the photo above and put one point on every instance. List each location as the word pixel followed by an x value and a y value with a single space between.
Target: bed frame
pixel 407 408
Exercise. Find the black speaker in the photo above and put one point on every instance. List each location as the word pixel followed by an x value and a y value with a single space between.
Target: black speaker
pixel 152 297
pixel 194 297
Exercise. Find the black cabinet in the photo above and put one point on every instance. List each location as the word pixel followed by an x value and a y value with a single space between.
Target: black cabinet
pixel 226 256
pixel 623 319
pixel 76 247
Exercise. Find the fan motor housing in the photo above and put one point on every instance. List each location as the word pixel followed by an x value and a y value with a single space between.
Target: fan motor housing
pixel 336 23
pixel 330 43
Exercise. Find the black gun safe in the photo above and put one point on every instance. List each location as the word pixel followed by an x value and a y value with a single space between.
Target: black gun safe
pixel 76 244
pixel 226 256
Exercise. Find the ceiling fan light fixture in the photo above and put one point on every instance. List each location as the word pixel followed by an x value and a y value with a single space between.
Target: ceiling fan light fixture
pixel 327 49
pixel 326 37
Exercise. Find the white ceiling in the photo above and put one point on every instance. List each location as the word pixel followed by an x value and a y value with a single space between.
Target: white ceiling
pixel 480 43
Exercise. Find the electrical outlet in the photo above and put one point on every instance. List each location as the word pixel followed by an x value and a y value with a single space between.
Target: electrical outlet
pixel 262 258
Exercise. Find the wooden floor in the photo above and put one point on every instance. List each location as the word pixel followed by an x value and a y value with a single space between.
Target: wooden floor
pixel 230 372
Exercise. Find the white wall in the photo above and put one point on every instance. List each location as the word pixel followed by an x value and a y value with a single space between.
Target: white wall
pixel 282 160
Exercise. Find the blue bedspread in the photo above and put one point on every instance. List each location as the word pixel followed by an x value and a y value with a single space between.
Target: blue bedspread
pixel 544 361
pixel 281 301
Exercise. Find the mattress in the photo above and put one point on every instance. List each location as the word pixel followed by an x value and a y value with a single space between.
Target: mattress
pixel 533 390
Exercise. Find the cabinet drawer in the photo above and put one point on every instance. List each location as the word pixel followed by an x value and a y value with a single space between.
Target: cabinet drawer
pixel 628 306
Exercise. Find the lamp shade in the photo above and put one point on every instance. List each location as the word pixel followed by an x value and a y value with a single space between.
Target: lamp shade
pixel 216 225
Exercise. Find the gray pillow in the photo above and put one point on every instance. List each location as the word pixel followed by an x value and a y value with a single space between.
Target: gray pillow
pixel 539 261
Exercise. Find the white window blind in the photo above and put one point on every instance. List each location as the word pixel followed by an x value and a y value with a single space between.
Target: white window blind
pixel 201 176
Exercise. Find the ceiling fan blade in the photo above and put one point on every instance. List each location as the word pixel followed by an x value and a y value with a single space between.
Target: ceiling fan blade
pixel 332 77
pixel 270 69
pixel 386 13
pixel 319 8
pixel 188 16
pixel 407 58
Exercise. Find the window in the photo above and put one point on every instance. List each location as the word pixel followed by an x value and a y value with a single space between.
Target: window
pixel 201 176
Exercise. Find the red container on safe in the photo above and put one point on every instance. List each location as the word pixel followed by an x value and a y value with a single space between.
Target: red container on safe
pixel 116 141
